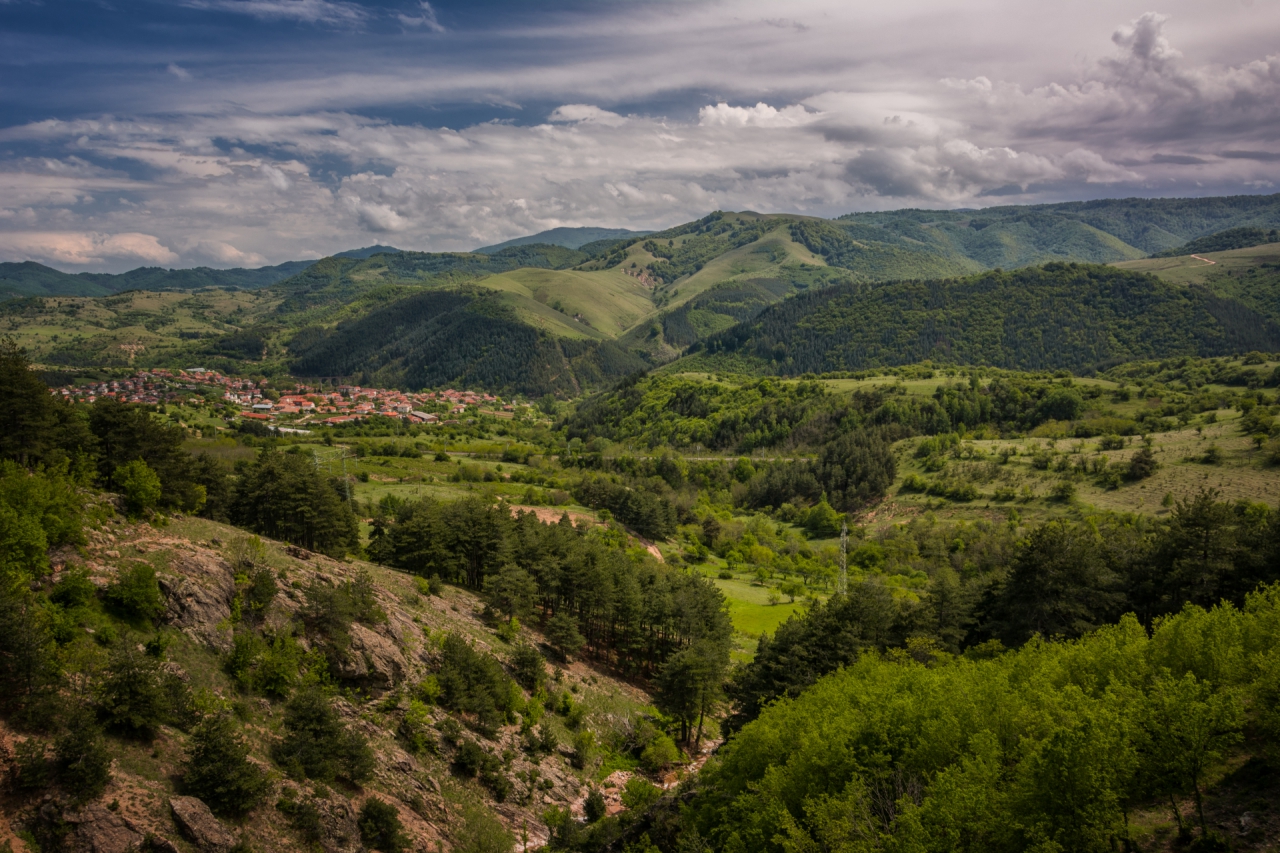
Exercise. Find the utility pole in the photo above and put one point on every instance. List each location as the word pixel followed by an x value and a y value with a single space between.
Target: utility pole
pixel 843 584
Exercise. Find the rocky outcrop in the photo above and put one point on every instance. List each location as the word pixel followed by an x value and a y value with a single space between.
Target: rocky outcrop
pixel 199 825
pixel 97 829
pixel 200 598
pixel 373 659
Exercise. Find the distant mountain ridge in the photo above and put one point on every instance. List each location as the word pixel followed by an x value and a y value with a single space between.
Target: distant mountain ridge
pixel 570 238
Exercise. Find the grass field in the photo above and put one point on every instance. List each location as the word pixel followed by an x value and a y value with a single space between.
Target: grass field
pixel 1188 270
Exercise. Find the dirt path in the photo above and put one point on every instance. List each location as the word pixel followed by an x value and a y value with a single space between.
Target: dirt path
pixel 1206 260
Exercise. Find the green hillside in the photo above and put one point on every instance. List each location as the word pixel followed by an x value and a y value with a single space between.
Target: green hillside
pixel 1078 317
pixel 570 238
pixel 1224 241
pixel 32 279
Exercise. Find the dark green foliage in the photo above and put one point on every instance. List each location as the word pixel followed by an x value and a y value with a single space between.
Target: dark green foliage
pixel 331 607
pixel 474 683
pixel 126 433
pixel 217 767
pixel 529 667
pixel 1223 241
pixel 27 416
pixel 630 612
pixel 1060 316
pixel 646 513
pixel 689 686
pixel 1142 464
pixel 135 594
pixel 802 650
pixel 594 807
pixel 304 817
pixel 464 338
pixel 81 759
pixel 856 469
pixel 317 745
pixel 475 761
pixel 479 831
pixel 132 698
pixel 30 278
pixel 28 667
pixel 380 827
pixel 511 592
pixel 283 496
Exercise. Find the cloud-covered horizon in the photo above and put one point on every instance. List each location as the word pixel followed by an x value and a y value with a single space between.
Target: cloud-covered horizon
pixel 431 127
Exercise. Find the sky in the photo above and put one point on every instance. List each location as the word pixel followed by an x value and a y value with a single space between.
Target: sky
pixel 231 133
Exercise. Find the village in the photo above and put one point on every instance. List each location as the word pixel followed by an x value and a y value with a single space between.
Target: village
pixel 294 403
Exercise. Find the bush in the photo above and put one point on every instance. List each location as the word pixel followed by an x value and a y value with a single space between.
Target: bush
pixel 140 486
pixel 81 759
pixel 478 831
pixel 317 745
pixel 529 667
pixel 1142 464
pixel 415 728
pixel 380 827
pixel 135 594
pixel 217 768
pixel 640 793
pixel 594 807
pixel 660 754
pixel 132 697
pixel 304 817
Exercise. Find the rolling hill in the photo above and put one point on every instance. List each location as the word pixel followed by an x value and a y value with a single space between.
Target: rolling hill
pixel 708 289
pixel 570 238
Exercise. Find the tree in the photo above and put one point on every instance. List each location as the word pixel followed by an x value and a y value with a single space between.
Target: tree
pixel 1142 464
pixel 529 667
pixel 139 485
pixel 283 496
pixel 135 593
pixel 563 635
pixel 1193 559
pixel 81 758
pixel 27 416
pixel 132 697
pixel 217 768
pixel 512 591
pixel 317 745
pixel 1187 724
pixel 380 826
pixel 126 433
pixel 1059 586
pixel 856 468
pixel 690 686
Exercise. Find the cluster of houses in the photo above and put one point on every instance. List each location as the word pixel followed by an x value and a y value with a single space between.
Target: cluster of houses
pixel 350 403
pixel 167 386
pixel 305 404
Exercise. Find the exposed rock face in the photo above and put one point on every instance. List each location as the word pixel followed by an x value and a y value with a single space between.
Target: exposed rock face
pixel 373 658
pixel 198 824
pixel 100 830
pixel 200 598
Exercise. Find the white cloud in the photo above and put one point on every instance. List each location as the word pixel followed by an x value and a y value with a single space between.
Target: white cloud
pixel 585 113
pixel 84 249
pixel 761 115
pixel 425 19
pixel 178 71
pixel 332 12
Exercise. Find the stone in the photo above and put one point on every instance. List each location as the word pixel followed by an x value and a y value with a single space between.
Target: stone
pixel 200 599
pixel 373 659
pixel 100 830
pixel 199 825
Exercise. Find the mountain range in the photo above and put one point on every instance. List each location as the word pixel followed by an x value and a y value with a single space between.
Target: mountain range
pixel 762 293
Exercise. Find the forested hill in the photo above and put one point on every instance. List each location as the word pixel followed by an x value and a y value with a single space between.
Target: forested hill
pixel 465 337
pixel 32 279
pixel 1073 316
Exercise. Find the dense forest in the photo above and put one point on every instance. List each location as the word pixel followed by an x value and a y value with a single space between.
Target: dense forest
pixel 457 337
pixel 1070 316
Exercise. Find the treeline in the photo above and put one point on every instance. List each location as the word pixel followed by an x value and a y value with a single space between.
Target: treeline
pixel 1223 241
pixel 992 587
pixel 457 337
pixel 671 411
pixel 626 610
pixel 1060 316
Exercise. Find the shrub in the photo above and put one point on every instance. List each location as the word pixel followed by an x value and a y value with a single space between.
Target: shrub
pixel 217 768
pixel 304 817
pixel 317 745
pixel 529 667
pixel 660 754
pixel 594 807
pixel 132 697
pixel 1142 464
pixel 135 594
pixel 415 728
pixel 478 831
pixel 73 589
pixel 640 793
pixel 380 827
pixel 81 759
pixel 140 486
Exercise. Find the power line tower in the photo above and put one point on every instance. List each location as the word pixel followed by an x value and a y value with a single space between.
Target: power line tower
pixel 339 454
pixel 843 584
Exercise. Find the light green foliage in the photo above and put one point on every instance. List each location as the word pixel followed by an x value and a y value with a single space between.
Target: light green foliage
pixel 415 728
pixel 135 593
pixel 139 485
pixel 1042 748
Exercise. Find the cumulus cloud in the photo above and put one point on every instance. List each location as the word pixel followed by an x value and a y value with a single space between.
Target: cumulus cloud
pixel 84 249
pixel 824 128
